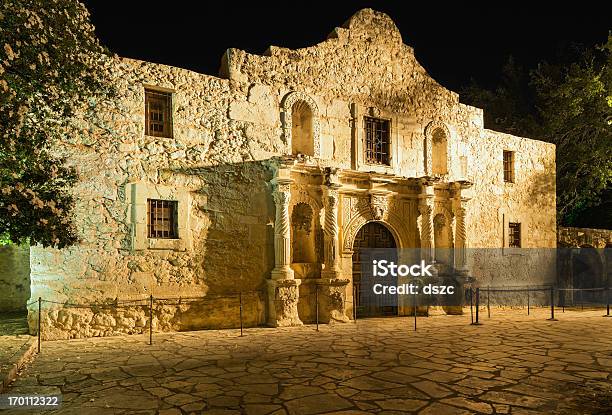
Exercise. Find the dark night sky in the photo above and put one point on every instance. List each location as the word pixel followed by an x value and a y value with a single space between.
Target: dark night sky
pixel 453 44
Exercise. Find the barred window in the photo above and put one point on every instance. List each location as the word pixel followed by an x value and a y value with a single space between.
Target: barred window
pixel 158 113
pixel 161 219
pixel 377 142
pixel 509 166
pixel 514 235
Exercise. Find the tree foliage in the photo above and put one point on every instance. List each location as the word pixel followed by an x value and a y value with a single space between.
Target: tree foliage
pixel 52 67
pixel 569 103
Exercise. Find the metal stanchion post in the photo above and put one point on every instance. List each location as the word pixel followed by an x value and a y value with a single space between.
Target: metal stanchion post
pixel 241 314
pixel 563 303
pixel 477 323
pixel 607 301
pixel 39 314
pixel 317 304
pixel 472 305
pixel 415 311
pixel 355 303
pixel 552 304
pixel 151 320
pixel 528 301
pixel 581 300
pixel 488 302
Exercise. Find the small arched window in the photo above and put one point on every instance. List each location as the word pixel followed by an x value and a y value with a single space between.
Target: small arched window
pixel 302 139
pixel 301 124
pixel 437 138
pixel 439 152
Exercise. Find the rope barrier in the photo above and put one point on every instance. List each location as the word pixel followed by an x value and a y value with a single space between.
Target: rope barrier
pixel 177 301
pixel 144 301
pixel 515 289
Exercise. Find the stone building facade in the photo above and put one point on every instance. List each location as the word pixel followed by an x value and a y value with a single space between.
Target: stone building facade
pixel 262 179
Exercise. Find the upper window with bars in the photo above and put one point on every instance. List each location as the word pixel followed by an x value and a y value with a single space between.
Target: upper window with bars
pixel 377 141
pixel 158 113
pixel 514 235
pixel 161 219
pixel 508 166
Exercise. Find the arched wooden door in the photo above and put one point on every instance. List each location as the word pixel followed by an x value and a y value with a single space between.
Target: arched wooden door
pixel 373 241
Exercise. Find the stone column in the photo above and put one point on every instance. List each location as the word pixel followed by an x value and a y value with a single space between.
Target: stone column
pixel 282 232
pixel 283 288
pixel 460 238
pixel 462 196
pixel 426 205
pixel 332 288
pixel 331 257
pixel 461 277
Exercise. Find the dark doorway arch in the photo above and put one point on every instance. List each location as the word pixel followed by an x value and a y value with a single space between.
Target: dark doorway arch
pixel 374 241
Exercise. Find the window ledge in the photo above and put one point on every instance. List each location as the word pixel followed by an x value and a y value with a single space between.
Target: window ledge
pixel 159 136
pixel 167 244
pixel 512 252
pixel 377 168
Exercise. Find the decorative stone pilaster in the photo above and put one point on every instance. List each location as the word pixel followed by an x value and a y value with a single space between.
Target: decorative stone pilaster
pixel 282 232
pixel 331 252
pixel 283 288
pixel 462 195
pixel 331 288
pixel 426 205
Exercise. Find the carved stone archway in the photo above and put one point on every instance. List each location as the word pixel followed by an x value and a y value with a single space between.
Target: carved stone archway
pixel 287 104
pixel 392 223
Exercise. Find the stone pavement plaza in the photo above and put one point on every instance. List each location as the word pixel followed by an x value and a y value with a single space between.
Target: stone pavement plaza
pixel 513 363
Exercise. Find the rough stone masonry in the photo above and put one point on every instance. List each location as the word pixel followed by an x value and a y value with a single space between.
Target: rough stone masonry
pixel 270 173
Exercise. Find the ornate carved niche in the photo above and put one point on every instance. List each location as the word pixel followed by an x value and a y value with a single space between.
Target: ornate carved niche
pixel 301 218
pixel 437 154
pixel 306 232
pixel 301 126
pixel 303 241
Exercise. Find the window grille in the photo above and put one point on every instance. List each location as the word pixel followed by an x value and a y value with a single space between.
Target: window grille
pixel 161 219
pixel 514 236
pixel 158 113
pixel 377 141
pixel 509 166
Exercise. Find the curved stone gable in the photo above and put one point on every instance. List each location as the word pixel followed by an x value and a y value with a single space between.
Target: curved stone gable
pixel 365 57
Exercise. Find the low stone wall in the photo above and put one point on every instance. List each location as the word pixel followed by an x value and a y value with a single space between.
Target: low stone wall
pixel 584 237
pixel 498 298
pixel 68 322
pixel 14 277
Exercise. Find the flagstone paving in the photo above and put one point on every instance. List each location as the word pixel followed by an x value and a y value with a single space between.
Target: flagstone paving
pixel 512 364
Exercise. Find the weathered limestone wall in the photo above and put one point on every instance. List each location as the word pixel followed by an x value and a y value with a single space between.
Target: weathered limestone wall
pixel 14 277
pixel 585 237
pixel 217 165
pixel 365 65
pixel 206 166
pixel 363 68
pixel 529 200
